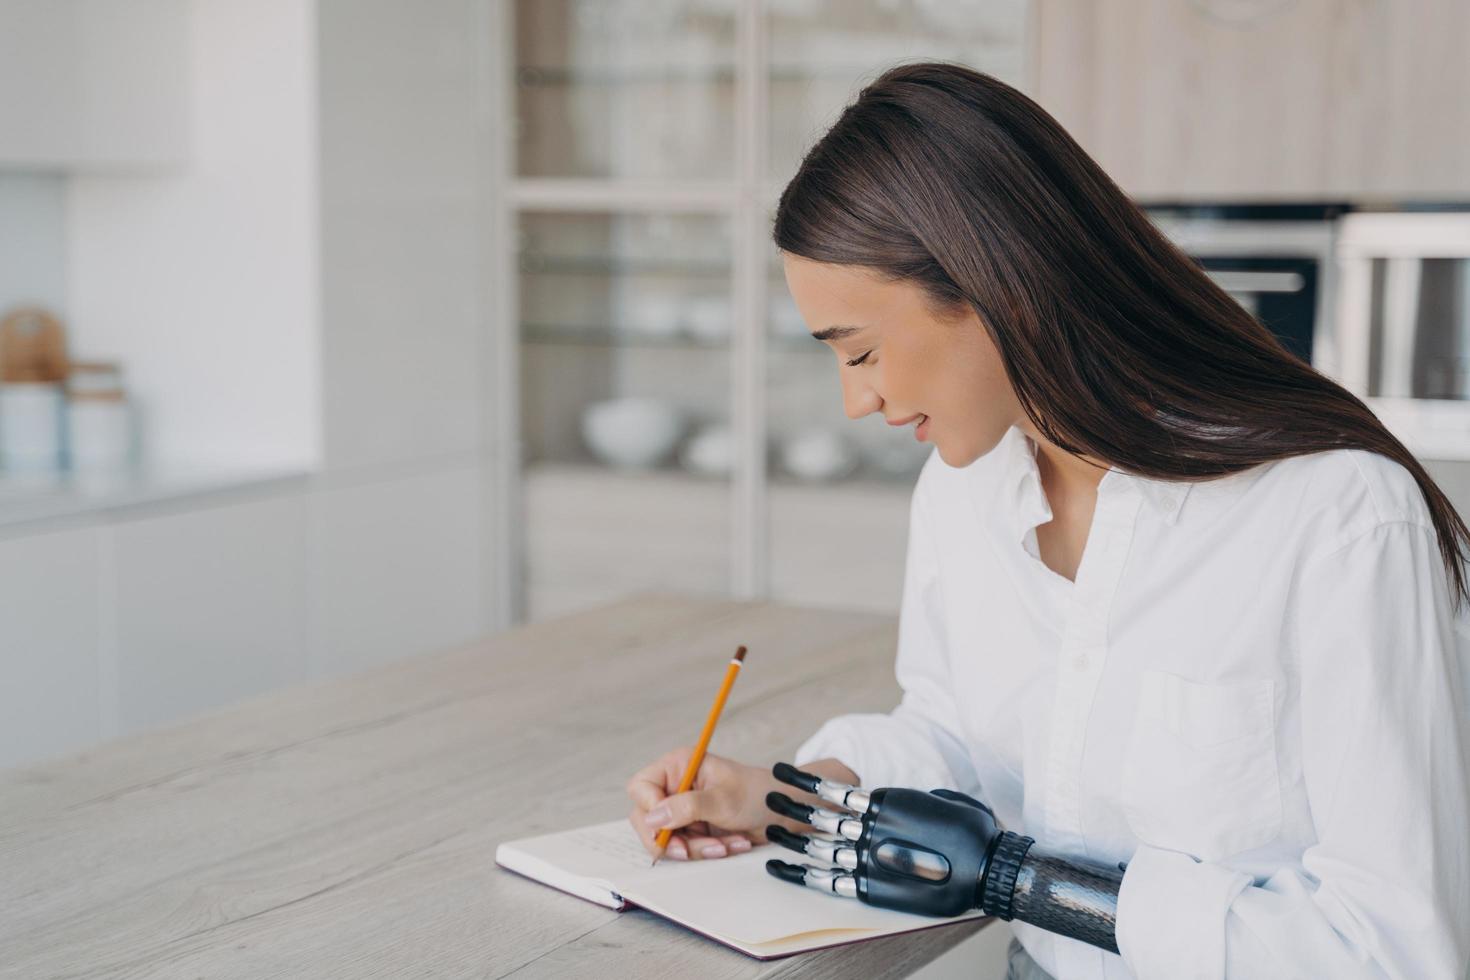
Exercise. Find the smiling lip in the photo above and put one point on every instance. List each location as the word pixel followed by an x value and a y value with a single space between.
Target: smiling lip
pixel 916 415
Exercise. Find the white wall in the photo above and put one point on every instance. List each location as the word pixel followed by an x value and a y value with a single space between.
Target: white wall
pixel 204 283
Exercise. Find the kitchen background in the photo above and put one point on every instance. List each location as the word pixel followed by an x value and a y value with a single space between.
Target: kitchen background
pixel 338 331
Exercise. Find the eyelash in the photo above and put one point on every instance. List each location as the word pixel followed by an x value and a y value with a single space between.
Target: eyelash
pixel 858 360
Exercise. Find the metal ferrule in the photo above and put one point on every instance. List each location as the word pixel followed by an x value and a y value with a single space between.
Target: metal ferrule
pixel 832 880
pixel 833 849
pixel 844 795
pixel 840 824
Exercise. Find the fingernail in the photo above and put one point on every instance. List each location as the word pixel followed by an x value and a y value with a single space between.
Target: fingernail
pixel 657 817
pixel 676 849
pixel 740 845
pixel 713 850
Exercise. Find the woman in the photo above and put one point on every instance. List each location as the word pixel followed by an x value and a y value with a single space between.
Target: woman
pixel 1172 597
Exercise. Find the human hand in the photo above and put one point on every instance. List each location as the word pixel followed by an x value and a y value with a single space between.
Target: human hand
pixel 722 813
pixel 726 806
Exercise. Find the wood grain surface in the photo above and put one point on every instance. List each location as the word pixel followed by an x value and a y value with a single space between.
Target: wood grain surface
pixel 347 828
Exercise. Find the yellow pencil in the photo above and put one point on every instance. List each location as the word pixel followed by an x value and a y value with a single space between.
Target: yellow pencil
pixel 709 729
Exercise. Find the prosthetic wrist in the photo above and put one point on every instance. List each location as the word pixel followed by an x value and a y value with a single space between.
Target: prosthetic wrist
pixel 939 853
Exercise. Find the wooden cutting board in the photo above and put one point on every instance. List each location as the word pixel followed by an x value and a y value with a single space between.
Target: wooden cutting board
pixel 32 346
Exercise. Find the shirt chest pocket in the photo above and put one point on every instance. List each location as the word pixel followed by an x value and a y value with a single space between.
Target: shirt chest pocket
pixel 1199 773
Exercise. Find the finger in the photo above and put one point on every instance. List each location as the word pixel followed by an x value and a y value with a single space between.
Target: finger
pixel 645 835
pixel 834 881
pixel 659 778
pixel 646 788
pixel 648 836
pixel 701 847
pixel 841 824
pixel 682 809
pixel 843 795
pixel 735 841
pixel 834 850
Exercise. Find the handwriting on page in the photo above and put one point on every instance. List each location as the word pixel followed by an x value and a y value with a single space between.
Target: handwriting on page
pixel 615 841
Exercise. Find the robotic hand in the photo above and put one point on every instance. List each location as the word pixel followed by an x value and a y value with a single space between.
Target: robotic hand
pixel 938 853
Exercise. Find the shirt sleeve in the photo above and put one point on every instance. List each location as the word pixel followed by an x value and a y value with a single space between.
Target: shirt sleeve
pixel 1385 890
pixel 918 744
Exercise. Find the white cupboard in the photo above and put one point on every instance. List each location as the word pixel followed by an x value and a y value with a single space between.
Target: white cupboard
pixel 209 606
pixel 50 615
pixel 93 85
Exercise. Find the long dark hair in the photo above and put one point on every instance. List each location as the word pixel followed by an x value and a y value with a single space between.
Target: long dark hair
pixel 1117 344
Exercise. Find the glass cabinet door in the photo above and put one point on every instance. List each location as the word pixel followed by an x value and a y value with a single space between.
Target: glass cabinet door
pixel 839 489
pixel 823 51
pixel 625 89
pixel 625 367
pixel 632 478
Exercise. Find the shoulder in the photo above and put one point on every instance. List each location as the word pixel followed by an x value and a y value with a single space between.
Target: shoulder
pixel 1336 495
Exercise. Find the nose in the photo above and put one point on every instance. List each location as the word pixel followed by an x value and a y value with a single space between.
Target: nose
pixel 858 399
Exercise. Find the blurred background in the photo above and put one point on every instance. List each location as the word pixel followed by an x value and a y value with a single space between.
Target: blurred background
pixel 339 331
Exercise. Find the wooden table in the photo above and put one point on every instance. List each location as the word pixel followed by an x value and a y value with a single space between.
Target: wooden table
pixel 347 828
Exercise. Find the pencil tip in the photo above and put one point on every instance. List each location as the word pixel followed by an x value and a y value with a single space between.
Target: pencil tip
pixel 653 862
pixel 740 654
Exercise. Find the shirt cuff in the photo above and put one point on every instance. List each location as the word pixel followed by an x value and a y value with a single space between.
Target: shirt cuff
pixel 1171 915
pixel 836 739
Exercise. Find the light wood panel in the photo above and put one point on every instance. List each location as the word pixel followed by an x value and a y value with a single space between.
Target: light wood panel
pixel 1310 99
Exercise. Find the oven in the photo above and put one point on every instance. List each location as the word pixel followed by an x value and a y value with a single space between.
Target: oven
pixel 1404 324
pixel 1276 260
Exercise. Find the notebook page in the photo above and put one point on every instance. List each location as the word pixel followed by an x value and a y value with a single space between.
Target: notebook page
pixel 604 854
pixel 732 897
pixel 736 898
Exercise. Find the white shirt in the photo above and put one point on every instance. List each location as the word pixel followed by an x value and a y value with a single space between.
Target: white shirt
pixel 1254 693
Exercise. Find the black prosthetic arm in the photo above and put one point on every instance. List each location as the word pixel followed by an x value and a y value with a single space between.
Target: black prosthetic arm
pixel 938 853
pixel 1068 897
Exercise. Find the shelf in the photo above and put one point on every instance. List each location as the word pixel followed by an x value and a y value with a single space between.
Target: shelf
pixel 862 483
pixel 31 500
pixel 529 75
pixel 608 266
pixel 606 336
pixel 584 521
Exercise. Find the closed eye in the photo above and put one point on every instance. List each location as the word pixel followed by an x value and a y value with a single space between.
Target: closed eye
pixel 858 360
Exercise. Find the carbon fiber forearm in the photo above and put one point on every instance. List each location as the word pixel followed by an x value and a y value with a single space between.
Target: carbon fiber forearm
pixel 1069 898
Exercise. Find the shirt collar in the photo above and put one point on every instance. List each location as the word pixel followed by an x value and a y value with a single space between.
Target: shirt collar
pixel 1022 480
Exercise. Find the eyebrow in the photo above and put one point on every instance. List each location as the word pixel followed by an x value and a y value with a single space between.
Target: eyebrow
pixel 836 333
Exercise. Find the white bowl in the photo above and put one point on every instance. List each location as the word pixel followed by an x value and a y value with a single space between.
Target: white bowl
pixel 710 452
pixel 632 432
pixel 818 454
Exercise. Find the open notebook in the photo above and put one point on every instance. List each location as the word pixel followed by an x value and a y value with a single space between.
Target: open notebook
pixel 732 900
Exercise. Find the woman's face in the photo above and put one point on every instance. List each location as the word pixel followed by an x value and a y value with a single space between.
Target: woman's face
pixel 942 377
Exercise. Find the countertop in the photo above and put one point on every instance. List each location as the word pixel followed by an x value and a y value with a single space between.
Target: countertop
pixel 347 828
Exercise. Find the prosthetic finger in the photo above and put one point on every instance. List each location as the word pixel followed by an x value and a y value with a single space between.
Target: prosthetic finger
pixel 833 850
pixel 830 821
pixel 852 797
pixel 832 880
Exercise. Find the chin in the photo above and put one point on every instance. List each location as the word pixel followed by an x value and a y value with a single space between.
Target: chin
pixel 953 458
pixel 960 456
